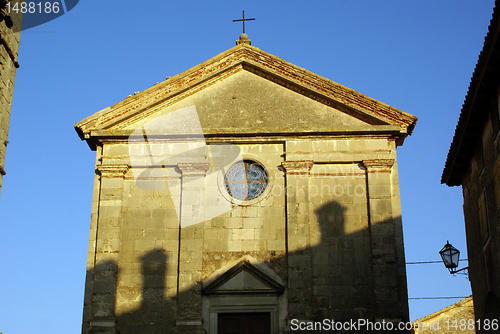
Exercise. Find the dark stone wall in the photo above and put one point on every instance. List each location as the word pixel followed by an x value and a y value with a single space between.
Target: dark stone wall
pixel 484 251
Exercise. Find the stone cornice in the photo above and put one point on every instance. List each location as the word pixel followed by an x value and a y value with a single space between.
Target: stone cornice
pixel 378 165
pixel 297 167
pixel 378 130
pixel 112 171
pixel 193 169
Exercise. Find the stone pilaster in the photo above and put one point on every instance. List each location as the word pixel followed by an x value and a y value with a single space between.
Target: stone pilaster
pixel 382 229
pixel 103 276
pixel 189 301
pixel 298 239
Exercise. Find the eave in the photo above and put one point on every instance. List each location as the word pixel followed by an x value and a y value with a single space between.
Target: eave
pixel 476 106
pixel 95 138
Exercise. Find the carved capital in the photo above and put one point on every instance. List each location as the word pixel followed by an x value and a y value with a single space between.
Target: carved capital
pixel 297 167
pixel 193 169
pixel 378 165
pixel 112 171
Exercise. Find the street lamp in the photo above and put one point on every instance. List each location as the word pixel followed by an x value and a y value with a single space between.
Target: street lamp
pixel 450 256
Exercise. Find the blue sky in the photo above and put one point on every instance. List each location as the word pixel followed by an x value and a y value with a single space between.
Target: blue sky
pixel 417 56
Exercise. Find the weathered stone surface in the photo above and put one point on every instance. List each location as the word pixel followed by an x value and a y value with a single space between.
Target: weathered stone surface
pixel 459 315
pixel 327 226
pixel 9 47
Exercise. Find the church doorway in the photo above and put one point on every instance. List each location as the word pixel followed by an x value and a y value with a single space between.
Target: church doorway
pixel 244 323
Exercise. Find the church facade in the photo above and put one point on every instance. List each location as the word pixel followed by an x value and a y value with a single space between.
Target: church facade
pixel 245 193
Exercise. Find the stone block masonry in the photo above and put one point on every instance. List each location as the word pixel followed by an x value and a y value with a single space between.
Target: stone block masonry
pixel 9 47
pixel 307 227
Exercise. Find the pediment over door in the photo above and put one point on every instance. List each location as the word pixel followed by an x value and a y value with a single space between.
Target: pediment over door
pixel 244 278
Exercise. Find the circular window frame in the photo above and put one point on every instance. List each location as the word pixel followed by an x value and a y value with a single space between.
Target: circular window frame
pixel 262 196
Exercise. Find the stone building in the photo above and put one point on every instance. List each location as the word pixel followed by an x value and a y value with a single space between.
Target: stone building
pixel 244 193
pixel 10 27
pixel 457 318
pixel 473 162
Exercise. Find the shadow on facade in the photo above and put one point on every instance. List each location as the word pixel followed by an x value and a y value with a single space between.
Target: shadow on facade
pixel 340 278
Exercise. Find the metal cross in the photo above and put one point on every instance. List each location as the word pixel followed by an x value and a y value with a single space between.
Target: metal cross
pixel 244 19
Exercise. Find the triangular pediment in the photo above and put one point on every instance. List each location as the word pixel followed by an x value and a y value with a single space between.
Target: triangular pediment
pixel 247 102
pixel 245 90
pixel 244 278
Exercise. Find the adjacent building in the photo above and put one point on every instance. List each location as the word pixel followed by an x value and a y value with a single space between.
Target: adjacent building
pixel 473 162
pixel 9 47
pixel 244 194
pixel 457 318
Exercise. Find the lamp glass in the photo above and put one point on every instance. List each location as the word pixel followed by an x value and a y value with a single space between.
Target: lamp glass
pixel 450 256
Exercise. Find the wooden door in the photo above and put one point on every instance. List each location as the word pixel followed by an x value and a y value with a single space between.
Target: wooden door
pixel 244 323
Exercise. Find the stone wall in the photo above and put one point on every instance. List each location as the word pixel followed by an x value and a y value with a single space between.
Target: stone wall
pixel 456 318
pixel 9 46
pixel 481 191
pixel 328 228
